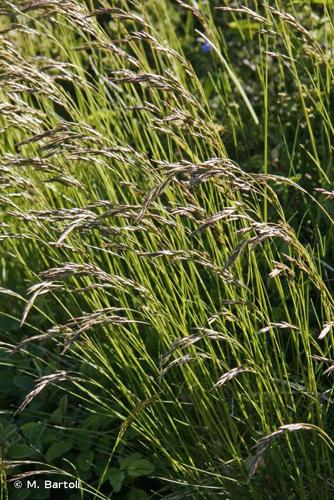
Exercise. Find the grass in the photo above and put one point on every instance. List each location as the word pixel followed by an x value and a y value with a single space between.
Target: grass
pixel 167 235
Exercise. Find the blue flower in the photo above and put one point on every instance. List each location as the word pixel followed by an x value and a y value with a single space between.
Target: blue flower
pixel 206 47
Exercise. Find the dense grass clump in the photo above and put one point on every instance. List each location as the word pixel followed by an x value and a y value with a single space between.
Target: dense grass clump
pixel 166 220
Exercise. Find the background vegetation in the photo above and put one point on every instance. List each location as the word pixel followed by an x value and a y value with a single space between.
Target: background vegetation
pixel 166 222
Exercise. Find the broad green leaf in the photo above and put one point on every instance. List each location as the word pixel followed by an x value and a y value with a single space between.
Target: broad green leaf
pixel 142 467
pixel 17 451
pixel 7 431
pixel 50 435
pixel 33 431
pixel 116 478
pixel 40 494
pixel 85 459
pixel 136 494
pixel 82 440
pixel 19 494
pixel 23 382
pixel 129 460
pixel 57 450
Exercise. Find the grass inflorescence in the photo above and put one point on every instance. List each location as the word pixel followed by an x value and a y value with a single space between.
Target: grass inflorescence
pixel 166 222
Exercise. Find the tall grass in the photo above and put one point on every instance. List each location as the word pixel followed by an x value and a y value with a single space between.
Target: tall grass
pixel 163 236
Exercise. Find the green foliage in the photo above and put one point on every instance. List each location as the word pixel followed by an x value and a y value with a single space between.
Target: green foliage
pixel 166 220
pixel 130 467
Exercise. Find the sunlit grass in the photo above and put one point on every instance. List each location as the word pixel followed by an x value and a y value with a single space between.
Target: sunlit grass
pixel 167 224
